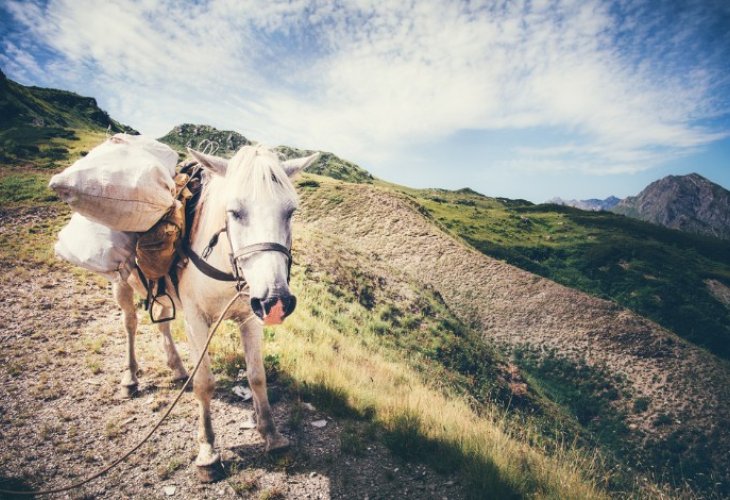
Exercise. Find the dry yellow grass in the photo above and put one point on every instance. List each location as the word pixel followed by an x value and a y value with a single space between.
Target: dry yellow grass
pixel 314 354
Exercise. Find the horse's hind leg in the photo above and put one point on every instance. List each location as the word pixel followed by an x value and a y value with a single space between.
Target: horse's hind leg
pixel 252 337
pixel 124 296
pixel 173 358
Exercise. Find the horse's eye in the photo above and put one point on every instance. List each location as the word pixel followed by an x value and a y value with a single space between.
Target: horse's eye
pixel 239 214
pixel 289 213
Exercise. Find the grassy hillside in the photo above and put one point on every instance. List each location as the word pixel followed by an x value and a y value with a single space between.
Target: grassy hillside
pixel 622 380
pixel 390 358
pixel 657 272
pixel 46 127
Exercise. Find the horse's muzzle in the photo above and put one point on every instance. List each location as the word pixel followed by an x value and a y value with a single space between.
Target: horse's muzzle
pixel 273 310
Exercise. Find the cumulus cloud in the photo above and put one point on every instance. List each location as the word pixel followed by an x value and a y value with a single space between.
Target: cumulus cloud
pixel 367 78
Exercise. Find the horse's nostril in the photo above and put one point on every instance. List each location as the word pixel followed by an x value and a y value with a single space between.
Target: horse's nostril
pixel 257 307
pixel 290 303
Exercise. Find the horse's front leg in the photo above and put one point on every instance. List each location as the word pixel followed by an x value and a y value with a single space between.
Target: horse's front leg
pixel 208 460
pixel 124 295
pixel 252 338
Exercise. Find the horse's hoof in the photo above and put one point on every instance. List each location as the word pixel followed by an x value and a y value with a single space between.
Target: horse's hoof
pixel 277 444
pixel 210 473
pixel 128 391
pixel 178 382
pixel 179 375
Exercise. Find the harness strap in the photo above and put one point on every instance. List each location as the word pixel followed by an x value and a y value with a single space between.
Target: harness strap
pixel 213 272
pixel 213 242
pixel 261 247
pixel 205 268
pixel 249 250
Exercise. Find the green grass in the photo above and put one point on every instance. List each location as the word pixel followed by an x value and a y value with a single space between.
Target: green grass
pixel 415 420
pixel 41 128
pixel 595 398
pixel 657 272
pixel 25 188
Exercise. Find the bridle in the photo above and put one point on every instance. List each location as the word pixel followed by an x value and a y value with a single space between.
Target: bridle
pixel 236 258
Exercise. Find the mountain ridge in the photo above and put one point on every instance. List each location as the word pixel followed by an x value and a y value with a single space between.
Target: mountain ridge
pixel 226 142
pixel 42 126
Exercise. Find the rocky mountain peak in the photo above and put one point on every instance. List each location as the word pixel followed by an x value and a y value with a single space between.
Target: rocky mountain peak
pixel 195 136
pixel 686 202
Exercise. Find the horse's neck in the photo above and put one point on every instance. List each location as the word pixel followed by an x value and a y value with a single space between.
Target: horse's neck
pixel 206 224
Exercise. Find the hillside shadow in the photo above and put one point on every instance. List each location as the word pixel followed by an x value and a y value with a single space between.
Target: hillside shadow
pixel 658 273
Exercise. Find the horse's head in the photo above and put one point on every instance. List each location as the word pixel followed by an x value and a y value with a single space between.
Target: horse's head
pixel 257 199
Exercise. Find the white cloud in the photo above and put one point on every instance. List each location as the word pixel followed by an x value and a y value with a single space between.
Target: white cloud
pixel 367 78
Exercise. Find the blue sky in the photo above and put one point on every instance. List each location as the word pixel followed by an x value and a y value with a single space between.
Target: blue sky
pixel 527 100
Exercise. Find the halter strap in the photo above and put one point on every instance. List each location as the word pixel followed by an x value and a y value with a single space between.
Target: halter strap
pixel 242 254
pixel 248 250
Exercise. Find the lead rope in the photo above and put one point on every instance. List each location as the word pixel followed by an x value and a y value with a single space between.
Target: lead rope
pixel 128 454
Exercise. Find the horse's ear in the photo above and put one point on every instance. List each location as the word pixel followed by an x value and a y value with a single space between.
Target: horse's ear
pixel 213 163
pixel 294 166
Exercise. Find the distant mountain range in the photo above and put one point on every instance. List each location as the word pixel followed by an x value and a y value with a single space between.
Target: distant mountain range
pixel 593 204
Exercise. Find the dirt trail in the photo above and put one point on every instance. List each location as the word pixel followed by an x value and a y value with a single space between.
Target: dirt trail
pixel 514 307
pixel 61 418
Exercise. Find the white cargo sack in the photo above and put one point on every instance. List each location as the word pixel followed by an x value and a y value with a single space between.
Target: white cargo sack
pixel 95 247
pixel 125 183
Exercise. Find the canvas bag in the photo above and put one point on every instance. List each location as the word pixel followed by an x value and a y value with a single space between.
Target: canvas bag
pixel 125 183
pixel 95 247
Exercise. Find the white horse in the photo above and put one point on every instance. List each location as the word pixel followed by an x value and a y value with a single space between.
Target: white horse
pixel 252 197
